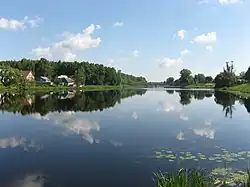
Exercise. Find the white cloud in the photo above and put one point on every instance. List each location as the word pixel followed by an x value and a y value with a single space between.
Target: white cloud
pixel 13 24
pixel 166 62
pixel 185 52
pixel 180 136
pixel 227 2
pixel 206 132
pixel 184 118
pixel 135 115
pixel 209 48
pixel 206 38
pixel 181 33
pixel 69 56
pixel 136 53
pixel 71 43
pixel 98 27
pixel 118 24
pixel 208 122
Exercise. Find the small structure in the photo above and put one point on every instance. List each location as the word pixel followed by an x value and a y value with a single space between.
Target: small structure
pixel 44 80
pixel 28 75
pixel 65 80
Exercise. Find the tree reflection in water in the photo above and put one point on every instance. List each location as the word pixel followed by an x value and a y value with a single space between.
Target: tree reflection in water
pixel 64 101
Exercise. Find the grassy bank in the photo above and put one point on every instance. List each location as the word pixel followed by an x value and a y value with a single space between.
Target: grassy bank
pixel 200 86
pixel 64 88
pixel 242 90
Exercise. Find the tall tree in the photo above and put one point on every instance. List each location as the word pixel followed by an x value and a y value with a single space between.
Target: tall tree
pixel 186 77
pixel 79 76
pixel 209 79
pixel 248 75
pixel 226 78
pixel 170 81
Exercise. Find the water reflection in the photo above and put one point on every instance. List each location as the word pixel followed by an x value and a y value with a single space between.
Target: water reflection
pixel 13 142
pixel 63 101
pixel 31 180
pixel 227 101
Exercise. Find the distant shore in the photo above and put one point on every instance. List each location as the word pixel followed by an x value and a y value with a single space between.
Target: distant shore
pixel 66 88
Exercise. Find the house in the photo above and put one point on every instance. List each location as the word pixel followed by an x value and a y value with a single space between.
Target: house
pixel 65 80
pixel 44 80
pixel 28 75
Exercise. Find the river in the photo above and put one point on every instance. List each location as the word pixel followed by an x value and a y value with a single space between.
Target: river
pixel 116 138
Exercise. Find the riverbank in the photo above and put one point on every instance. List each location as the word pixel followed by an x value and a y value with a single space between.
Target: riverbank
pixel 242 90
pixel 211 86
pixel 65 88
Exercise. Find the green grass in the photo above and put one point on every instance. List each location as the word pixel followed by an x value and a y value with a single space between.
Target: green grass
pixel 211 85
pixel 242 90
pixel 45 88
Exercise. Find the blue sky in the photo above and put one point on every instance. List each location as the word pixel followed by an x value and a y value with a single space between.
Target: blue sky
pixel 155 39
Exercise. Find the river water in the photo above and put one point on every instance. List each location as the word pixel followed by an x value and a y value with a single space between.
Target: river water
pixel 113 138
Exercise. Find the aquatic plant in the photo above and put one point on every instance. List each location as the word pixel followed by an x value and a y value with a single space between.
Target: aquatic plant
pixel 183 178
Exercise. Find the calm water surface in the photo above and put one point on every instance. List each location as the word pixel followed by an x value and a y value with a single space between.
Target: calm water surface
pixel 111 138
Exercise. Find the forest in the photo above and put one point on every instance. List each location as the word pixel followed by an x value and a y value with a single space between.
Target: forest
pixel 82 72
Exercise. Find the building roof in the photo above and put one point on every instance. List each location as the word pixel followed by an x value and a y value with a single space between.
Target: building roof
pixel 45 78
pixel 26 73
pixel 62 76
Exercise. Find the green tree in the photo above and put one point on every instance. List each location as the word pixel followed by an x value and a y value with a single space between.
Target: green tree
pixel 43 68
pixel 11 77
pixel 209 79
pixel 242 75
pixel 247 75
pixel 226 78
pixel 170 81
pixel 79 76
pixel 186 77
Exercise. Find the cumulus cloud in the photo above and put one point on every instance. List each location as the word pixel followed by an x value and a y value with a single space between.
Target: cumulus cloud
pixel 180 136
pixel 118 24
pixel 227 2
pixel 206 132
pixel 206 38
pixel 185 52
pixel 13 24
pixel 166 62
pixel 181 34
pixel 71 43
pixel 135 115
pixel 209 48
pixel 136 53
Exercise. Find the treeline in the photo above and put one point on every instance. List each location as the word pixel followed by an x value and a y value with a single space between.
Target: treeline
pixel 226 78
pixel 63 101
pixel 83 72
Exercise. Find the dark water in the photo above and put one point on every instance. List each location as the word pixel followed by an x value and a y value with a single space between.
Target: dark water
pixel 110 138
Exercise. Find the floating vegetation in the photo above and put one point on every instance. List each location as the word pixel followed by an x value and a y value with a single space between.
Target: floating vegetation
pixel 223 157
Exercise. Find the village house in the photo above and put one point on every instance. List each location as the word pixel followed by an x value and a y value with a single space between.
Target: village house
pixel 28 75
pixel 44 80
pixel 65 80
